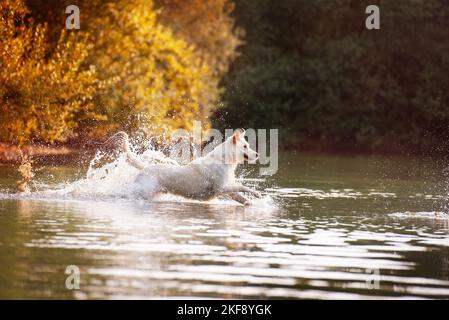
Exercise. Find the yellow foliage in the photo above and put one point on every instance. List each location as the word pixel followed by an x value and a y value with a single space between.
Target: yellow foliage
pixel 123 69
pixel 44 93
pixel 151 73
pixel 207 25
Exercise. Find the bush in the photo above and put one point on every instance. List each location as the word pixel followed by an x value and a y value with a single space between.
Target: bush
pixel 123 69
pixel 43 93
pixel 153 77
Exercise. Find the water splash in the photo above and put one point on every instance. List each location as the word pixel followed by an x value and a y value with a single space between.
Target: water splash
pixel 26 172
pixel 114 179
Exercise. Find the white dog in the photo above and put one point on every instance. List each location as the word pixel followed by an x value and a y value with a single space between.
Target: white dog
pixel 204 178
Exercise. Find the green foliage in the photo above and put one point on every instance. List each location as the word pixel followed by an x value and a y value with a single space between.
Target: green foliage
pixel 312 69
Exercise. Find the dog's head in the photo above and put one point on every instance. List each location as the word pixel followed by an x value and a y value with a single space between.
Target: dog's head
pixel 237 149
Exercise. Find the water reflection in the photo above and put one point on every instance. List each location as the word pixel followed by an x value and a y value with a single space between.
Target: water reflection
pixel 315 235
pixel 127 249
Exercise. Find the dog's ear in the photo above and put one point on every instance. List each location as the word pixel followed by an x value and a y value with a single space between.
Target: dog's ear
pixel 237 135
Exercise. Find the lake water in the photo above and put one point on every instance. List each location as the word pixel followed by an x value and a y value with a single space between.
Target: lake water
pixel 328 227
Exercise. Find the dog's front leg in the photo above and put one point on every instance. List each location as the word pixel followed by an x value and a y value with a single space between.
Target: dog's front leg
pixel 239 198
pixel 240 188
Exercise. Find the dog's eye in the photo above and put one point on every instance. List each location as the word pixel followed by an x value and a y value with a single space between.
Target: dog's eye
pixel 246 147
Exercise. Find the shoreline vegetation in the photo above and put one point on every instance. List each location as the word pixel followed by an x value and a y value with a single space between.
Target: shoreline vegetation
pixel 10 154
pixel 70 154
pixel 150 67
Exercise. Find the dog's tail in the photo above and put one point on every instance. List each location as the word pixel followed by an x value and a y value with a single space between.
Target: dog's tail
pixel 121 140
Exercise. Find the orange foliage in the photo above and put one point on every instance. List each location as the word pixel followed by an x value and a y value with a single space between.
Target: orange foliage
pixel 207 25
pixel 43 93
pixel 130 66
pixel 154 78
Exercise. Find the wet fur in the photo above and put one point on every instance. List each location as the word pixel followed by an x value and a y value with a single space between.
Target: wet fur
pixel 204 178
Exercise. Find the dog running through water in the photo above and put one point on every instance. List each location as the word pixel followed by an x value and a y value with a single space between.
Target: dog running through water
pixel 204 178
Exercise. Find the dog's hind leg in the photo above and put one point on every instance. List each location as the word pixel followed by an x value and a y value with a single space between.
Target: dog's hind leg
pixel 239 198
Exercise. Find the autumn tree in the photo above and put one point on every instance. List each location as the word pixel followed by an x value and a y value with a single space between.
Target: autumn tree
pixel 44 93
pixel 210 27
pixel 153 77
pixel 129 67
